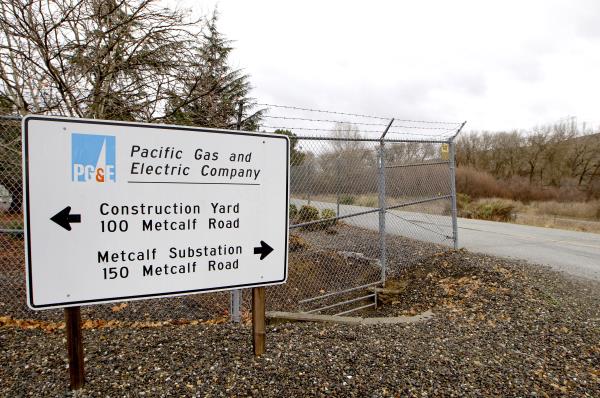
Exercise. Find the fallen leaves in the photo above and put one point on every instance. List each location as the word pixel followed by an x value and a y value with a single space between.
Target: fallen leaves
pixel 7 321
pixel 119 307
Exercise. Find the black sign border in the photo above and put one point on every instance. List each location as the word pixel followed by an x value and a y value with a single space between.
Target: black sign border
pixel 25 128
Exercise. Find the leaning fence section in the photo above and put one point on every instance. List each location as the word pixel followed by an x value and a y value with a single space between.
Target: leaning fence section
pixel 366 196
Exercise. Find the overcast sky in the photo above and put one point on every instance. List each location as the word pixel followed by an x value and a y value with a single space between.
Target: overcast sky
pixel 497 64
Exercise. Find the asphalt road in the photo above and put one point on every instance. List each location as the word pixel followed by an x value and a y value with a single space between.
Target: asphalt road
pixel 575 253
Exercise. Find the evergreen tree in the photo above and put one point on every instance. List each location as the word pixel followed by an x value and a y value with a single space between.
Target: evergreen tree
pixel 216 88
pixel 296 154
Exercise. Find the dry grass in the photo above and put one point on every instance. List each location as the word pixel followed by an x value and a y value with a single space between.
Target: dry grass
pixel 548 221
pixel 365 200
pixel 11 221
pixel 575 216
pixel 581 210
pixel 487 209
pixel 480 184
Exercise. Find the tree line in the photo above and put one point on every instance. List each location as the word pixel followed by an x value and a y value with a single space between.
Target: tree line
pixel 563 155
pixel 347 166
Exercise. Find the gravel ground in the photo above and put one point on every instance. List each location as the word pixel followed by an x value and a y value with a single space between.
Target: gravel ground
pixel 501 328
pixel 437 358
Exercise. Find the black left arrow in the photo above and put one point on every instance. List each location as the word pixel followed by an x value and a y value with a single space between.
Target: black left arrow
pixel 264 250
pixel 64 218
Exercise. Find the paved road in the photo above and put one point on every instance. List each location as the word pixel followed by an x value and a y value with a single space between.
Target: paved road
pixel 576 253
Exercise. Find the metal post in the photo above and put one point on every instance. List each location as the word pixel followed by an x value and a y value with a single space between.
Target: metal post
pixel 337 185
pixel 452 149
pixel 235 298
pixel 382 210
pixel 382 204
pixel 234 306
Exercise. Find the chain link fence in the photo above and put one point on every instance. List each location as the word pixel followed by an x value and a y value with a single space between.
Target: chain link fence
pixel 360 208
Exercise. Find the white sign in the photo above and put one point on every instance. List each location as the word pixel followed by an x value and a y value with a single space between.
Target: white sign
pixel 121 211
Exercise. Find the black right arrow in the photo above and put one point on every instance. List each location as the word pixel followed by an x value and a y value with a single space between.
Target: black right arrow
pixel 64 218
pixel 263 250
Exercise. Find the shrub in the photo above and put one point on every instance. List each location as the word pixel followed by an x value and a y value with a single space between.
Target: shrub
pixel 463 205
pixel 462 201
pixel 368 201
pixel 493 210
pixel 347 200
pixel 296 243
pixel 307 214
pixel 293 211
pixel 477 184
pixel 325 214
pixel 481 184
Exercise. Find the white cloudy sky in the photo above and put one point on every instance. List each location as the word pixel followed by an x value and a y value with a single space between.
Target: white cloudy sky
pixel 498 64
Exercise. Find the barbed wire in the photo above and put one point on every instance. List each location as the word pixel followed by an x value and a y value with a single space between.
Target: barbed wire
pixel 445 132
pixel 426 128
pixel 325 120
pixel 358 123
pixel 442 135
pixel 311 129
pixel 324 111
pixel 356 114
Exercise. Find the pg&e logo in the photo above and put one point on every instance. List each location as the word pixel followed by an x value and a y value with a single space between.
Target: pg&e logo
pixel 93 158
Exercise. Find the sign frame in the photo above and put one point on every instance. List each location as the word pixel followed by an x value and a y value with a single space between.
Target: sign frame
pixel 27 216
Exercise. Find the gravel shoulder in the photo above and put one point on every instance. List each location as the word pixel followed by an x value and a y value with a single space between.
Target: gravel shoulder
pixel 501 328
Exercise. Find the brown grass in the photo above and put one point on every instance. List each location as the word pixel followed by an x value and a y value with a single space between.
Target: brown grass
pixel 480 184
pixel 490 209
pixel 575 216
pixel 548 221
pixel 581 210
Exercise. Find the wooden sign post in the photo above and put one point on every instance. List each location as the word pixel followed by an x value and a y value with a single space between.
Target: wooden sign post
pixel 258 320
pixel 75 347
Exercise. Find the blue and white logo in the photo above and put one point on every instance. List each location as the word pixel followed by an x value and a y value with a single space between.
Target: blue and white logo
pixel 93 158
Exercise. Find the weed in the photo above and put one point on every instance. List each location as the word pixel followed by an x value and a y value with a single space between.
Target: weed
pixel 308 213
pixel 493 210
pixel 293 212
pixel 347 200
pixel 326 214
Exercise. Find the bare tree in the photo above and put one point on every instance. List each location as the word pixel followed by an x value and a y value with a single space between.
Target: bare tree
pixel 112 59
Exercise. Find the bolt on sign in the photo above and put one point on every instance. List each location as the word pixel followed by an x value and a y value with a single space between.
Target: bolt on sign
pixel 120 211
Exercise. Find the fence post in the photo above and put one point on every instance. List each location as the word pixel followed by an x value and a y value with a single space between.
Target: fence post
pixel 235 297
pixel 382 204
pixel 382 248
pixel 452 150
pixel 337 185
